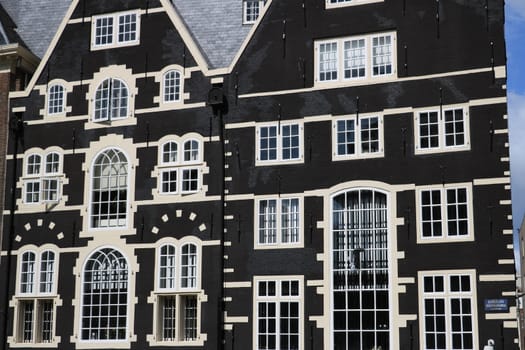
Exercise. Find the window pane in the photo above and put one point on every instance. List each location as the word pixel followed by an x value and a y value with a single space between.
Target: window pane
pixel 382 55
pixel 267 221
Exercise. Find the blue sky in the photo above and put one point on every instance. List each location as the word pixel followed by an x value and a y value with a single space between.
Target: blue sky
pixel 515 36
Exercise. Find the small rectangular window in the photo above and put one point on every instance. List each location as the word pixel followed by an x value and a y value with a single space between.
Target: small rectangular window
pixel 280 142
pixel 114 30
pixel 251 10
pixel 442 130
pixel 355 59
pixel 358 138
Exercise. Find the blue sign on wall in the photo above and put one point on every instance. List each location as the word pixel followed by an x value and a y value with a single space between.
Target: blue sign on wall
pixel 499 305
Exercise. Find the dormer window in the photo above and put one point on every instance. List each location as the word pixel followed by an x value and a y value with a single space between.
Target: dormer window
pixel 251 10
pixel 113 30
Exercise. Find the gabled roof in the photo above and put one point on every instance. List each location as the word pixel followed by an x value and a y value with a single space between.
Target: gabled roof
pixel 216 27
pixel 36 21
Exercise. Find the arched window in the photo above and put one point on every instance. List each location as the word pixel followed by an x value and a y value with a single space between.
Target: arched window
pixel 178 311
pixel 105 296
pixel 188 278
pixel 172 84
pixel 360 274
pixel 47 270
pixel 167 267
pixel 52 163
pixel 36 299
pixel 191 151
pixel 109 190
pixel 55 99
pixel 33 164
pixel 27 276
pixel 111 100
pixel 169 152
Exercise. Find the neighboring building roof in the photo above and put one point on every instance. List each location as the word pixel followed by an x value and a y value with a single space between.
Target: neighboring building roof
pixel 8 33
pixel 36 21
pixel 220 32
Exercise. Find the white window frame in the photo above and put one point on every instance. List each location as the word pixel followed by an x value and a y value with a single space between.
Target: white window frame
pixel 278 299
pixel 279 144
pixel 368 77
pixel 358 152
pixel 179 292
pixel 245 14
pixel 279 243
pixel 330 4
pixel 91 214
pixel 56 101
pixel 38 299
pixel 110 98
pixel 178 97
pixel 42 177
pixel 115 40
pixel 447 295
pixel 128 292
pixel 445 236
pixel 442 147
pixel 180 166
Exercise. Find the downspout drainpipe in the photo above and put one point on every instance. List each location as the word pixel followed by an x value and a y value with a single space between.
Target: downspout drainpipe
pixel 217 101
pixel 16 127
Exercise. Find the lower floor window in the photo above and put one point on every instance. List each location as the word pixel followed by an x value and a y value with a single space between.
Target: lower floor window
pixel 448 311
pixel 35 321
pixel 278 315
pixel 42 190
pixel 183 180
pixel 178 318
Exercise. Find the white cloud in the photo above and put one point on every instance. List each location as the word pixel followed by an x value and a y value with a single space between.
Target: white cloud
pixel 516 8
pixel 517 154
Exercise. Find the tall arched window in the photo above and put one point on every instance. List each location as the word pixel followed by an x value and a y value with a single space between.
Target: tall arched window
pixel 27 276
pixel 171 86
pixel 109 190
pixel 111 100
pixel 105 296
pixel 188 278
pixel 55 99
pixel 360 274
pixel 167 267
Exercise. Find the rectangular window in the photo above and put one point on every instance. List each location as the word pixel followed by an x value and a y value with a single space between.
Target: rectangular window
pixel 355 58
pixel 278 314
pixel 442 130
pixel 281 142
pixel 169 181
pixel 32 191
pixel 190 180
pixel 358 138
pixel 177 326
pixel 50 190
pixel 279 221
pixel 251 10
pixel 113 30
pixel 127 28
pixel 445 213
pixel 35 321
pixel 448 310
